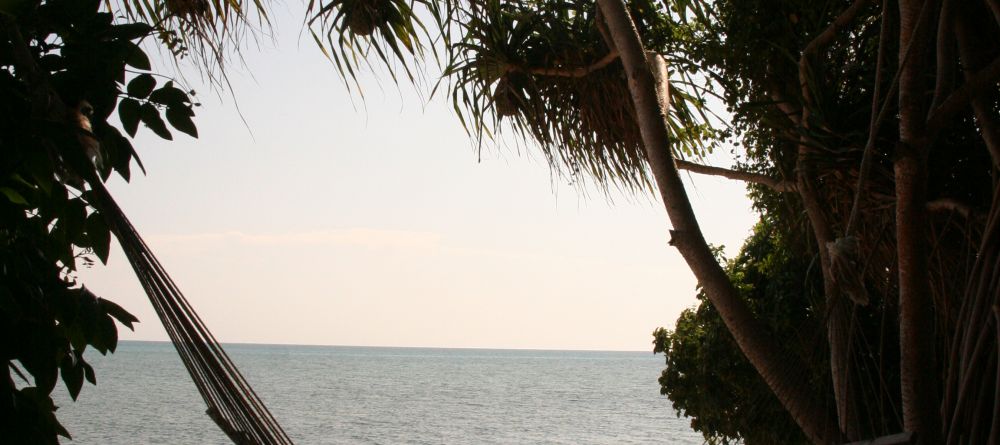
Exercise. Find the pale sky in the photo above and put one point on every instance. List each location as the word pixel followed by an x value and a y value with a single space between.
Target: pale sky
pixel 376 224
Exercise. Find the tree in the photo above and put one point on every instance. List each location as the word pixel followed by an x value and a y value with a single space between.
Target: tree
pixel 707 377
pixel 799 120
pixel 876 123
pixel 64 70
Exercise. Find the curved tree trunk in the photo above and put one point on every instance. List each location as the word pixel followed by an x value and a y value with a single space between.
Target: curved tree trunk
pixel 778 368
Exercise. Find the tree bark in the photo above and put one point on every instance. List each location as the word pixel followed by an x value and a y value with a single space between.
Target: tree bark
pixel 776 184
pixel 918 363
pixel 838 307
pixel 779 369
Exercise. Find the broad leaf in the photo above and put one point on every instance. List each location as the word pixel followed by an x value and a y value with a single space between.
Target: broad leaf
pixel 141 86
pixel 128 113
pixel 150 116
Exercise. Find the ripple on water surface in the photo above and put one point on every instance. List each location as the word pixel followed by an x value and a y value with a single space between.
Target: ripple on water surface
pixel 357 395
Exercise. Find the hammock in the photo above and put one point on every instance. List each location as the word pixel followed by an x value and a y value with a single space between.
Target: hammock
pixel 232 403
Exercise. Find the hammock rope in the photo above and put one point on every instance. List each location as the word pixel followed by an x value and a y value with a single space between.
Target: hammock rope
pixel 232 404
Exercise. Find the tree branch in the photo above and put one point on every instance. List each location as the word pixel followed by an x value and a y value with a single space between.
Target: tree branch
pixel 785 106
pixel 973 57
pixel 775 184
pixel 823 39
pixel 46 103
pixel 995 8
pixel 962 97
pixel 838 324
pixel 775 365
pixel 945 78
pixel 949 205
pixel 875 121
pixel 576 72
pixel 828 34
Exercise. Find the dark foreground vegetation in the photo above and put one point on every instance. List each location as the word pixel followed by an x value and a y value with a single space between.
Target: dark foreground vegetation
pixel 864 304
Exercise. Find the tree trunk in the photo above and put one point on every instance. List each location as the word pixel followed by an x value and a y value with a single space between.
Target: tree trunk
pixel 838 306
pixel 918 364
pixel 778 368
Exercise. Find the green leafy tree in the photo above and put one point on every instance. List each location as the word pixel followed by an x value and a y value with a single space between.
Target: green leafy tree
pixel 66 67
pixel 871 127
pixel 707 377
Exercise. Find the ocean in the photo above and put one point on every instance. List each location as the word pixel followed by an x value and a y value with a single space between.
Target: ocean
pixel 367 395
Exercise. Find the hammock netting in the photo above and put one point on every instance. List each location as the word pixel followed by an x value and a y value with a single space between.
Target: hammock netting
pixel 232 403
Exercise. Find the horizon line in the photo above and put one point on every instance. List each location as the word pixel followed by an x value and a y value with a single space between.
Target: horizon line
pixel 398 347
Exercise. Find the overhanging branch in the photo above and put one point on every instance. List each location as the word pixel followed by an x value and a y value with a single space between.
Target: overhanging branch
pixel 574 72
pixel 775 184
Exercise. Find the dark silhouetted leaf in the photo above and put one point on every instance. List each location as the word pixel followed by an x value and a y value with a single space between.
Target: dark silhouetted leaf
pixel 72 375
pixel 150 116
pixel 128 113
pixel 99 235
pixel 169 95
pixel 116 311
pixel 88 371
pixel 131 31
pixel 180 118
pixel 136 57
pixel 141 86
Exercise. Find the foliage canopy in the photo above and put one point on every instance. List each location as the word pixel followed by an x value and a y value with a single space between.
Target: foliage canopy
pixel 869 131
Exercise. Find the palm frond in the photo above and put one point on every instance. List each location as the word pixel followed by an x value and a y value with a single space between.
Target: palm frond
pixel 353 33
pixel 529 68
pixel 206 31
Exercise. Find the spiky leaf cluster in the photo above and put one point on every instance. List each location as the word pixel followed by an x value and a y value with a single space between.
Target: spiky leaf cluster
pixel 545 70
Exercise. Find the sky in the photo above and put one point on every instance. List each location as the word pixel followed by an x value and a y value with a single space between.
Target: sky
pixel 308 215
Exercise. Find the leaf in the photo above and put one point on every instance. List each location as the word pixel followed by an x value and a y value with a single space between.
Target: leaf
pixel 141 86
pixel 72 375
pixel 74 220
pixel 107 334
pixel 99 235
pixel 13 196
pixel 150 116
pixel 169 95
pixel 136 57
pixel 88 371
pixel 42 404
pixel 119 313
pixel 128 113
pixel 131 31
pixel 180 118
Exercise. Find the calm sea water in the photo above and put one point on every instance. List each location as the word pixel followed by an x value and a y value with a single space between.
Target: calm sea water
pixel 360 395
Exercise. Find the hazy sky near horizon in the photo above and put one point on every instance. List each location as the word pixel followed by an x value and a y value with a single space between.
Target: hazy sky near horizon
pixel 377 222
